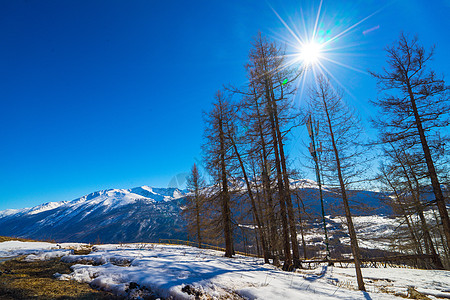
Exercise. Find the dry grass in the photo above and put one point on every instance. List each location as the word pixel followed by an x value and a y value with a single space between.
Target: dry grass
pixel 8 238
pixel 83 251
pixel 34 280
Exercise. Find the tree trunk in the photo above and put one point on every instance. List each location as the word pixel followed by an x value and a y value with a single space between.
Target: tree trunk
pixel 267 190
pixel 226 213
pixel 351 228
pixel 287 194
pixel 197 211
pixel 301 227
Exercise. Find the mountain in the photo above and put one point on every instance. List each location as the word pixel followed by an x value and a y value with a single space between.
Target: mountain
pixel 145 214
pixel 109 216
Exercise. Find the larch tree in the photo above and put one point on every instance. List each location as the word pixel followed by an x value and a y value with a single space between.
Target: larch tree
pixel 218 152
pixel 341 156
pixel 414 107
pixel 272 80
pixel 258 137
pixel 194 208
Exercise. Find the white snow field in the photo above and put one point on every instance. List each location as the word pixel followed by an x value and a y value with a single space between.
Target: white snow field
pixel 180 272
pixel 37 250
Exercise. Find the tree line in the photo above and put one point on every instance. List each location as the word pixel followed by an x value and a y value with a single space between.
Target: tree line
pixel 251 173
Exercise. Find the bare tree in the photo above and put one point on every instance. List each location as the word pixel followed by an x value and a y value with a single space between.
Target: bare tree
pixel 273 82
pixel 339 131
pixel 194 208
pixel 218 153
pixel 258 138
pixel 414 107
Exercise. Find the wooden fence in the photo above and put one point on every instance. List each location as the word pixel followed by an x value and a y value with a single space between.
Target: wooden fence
pixel 399 261
pixel 406 261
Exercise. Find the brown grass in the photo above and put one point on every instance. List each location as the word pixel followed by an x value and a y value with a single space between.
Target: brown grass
pixel 83 251
pixel 34 280
pixel 8 238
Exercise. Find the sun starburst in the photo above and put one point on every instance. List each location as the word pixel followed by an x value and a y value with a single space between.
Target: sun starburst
pixel 317 49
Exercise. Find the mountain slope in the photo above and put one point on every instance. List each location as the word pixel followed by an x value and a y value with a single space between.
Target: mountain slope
pixel 116 215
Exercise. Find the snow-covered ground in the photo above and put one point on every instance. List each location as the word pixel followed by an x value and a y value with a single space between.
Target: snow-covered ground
pixel 181 272
pixel 37 249
pixel 167 270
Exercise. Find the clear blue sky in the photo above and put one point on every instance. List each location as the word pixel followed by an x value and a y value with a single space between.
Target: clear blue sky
pixel 110 94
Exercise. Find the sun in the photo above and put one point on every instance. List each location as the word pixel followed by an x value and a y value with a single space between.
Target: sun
pixel 310 53
pixel 318 44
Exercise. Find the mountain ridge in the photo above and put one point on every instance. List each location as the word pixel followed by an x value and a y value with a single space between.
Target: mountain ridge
pixel 143 214
pixel 111 215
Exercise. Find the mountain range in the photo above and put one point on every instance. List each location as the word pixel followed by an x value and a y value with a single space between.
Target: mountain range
pixel 146 214
pixel 115 215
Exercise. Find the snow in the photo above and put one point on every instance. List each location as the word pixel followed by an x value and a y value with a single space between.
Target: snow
pixel 108 199
pixel 147 188
pixel 166 271
pixel 305 184
pixel 14 248
pixel 47 254
pixel 45 207
pixel 9 212
pixel 32 210
pixel 373 232
pixel 40 250
pixel 397 280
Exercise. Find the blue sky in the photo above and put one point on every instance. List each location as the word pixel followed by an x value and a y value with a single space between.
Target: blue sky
pixel 110 94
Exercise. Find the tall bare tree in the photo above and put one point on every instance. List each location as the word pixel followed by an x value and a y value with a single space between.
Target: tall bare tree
pixel 258 138
pixel 414 105
pixel 272 80
pixel 218 154
pixel 339 131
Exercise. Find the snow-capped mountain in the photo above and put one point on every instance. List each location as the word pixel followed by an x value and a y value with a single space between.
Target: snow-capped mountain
pixel 145 214
pixel 115 215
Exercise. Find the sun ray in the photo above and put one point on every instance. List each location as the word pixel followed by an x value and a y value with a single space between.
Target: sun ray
pixel 337 81
pixel 287 26
pixel 304 23
pixel 344 65
pixel 315 49
pixel 317 21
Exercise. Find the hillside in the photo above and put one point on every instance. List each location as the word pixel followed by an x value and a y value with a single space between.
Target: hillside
pixel 115 215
